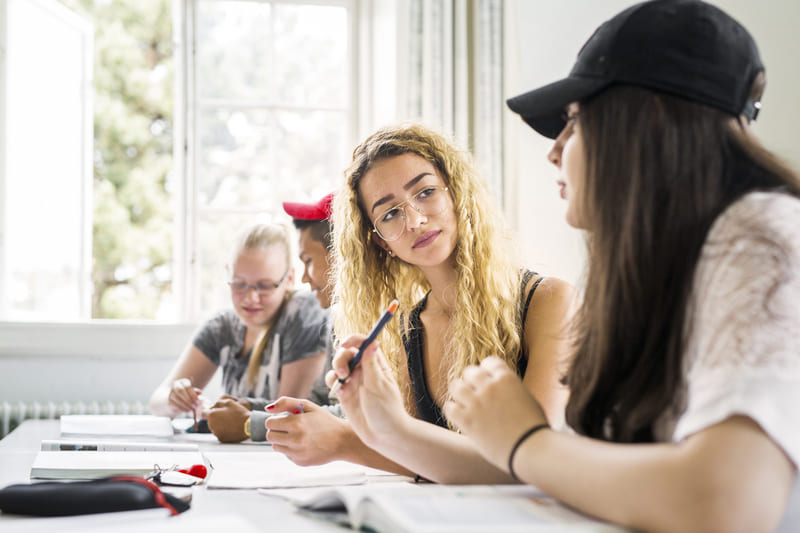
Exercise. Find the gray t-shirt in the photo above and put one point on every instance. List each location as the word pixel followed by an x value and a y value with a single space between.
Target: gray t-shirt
pixel 301 331
pixel 319 395
pixel 320 390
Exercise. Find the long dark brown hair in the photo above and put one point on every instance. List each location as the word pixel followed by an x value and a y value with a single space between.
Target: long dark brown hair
pixel 660 170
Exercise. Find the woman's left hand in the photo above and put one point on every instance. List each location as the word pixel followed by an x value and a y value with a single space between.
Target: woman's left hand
pixel 490 405
pixel 370 396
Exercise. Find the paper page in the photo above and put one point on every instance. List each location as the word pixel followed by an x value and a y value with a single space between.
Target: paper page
pixel 325 498
pixel 254 470
pixel 92 465
pixel 127 425
pixel 442 509
pixel 424 508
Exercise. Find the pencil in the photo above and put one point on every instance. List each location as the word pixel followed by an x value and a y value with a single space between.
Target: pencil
pixel 385 317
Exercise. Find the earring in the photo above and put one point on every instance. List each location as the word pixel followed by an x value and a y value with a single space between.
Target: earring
pixel 389 252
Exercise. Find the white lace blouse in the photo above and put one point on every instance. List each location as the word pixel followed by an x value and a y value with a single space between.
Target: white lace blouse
pixel 743 353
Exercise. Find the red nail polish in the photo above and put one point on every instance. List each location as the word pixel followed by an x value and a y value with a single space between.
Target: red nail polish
pixel 271 406
pixel 297 411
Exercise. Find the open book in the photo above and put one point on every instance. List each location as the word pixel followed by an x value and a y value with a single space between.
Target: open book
pixel 426 508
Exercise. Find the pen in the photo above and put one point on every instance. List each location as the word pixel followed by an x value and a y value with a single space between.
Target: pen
pixel 385 317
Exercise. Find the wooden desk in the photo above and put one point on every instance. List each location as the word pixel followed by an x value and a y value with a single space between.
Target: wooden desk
pixel 19 448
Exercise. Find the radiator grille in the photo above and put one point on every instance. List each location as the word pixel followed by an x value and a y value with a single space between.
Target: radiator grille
pixel 13 413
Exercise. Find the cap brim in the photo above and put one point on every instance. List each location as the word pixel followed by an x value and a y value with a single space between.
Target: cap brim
pixel 301 211
pixel 543 108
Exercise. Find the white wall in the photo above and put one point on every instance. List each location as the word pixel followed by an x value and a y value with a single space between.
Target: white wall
pixel 542 40
pixel 82 362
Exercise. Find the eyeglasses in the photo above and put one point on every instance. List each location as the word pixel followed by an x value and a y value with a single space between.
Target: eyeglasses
pixel 428 201
pixel 240 288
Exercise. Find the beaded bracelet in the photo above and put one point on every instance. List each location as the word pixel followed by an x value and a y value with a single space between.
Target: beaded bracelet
pixel 517 444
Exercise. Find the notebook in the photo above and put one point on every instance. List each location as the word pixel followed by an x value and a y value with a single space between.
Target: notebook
pixel 117 425
pixel 97 464
pixel 429 508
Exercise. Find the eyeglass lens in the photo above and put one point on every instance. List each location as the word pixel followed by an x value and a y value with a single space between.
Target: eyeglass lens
pixel 429 201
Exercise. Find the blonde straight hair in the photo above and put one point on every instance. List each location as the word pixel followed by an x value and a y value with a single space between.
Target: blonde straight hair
pixel 368 279
pixel 261 237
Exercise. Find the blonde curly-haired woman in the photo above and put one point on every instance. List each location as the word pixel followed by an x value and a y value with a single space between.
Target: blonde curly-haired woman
pixel 415 222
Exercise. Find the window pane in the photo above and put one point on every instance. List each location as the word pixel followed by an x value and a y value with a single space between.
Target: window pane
pixel 272 117
pixel 235 157
pixel 134 212
pixel 310 149
pixel 234 52
pixel 311 53
pixel 256 159
pixel 47 172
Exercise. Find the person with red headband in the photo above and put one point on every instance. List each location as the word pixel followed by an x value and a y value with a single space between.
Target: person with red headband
pixel 311 438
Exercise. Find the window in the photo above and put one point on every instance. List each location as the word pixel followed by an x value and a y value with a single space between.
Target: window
pixel 149 134
pixel 269 94
pixel 44 258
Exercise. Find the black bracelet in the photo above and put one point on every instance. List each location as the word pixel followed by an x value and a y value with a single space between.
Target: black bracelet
pixel 517 444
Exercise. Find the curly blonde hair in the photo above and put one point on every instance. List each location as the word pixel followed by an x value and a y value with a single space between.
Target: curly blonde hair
pixel 367 279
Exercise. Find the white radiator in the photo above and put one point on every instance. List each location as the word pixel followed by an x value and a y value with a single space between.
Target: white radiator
pixel 12 414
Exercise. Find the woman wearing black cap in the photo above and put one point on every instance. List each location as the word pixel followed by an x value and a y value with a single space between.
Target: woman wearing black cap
pixel 685 378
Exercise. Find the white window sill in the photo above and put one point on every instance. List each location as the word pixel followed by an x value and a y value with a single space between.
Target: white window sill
pixel 96 339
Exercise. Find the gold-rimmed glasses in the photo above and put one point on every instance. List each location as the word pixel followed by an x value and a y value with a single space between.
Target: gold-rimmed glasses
pixel 428 201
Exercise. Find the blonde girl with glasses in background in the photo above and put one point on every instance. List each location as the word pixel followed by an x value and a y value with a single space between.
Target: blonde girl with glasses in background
pixel 415 222
pixel 271 343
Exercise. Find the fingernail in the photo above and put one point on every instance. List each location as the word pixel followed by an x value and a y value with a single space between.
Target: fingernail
pixel 271 406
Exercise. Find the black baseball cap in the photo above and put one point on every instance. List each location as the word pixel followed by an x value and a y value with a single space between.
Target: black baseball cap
pixel 686 48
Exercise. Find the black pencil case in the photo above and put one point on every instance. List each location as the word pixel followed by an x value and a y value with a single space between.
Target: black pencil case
pixel 105 495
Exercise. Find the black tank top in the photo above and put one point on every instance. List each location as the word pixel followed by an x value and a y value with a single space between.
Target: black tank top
pixel 427 409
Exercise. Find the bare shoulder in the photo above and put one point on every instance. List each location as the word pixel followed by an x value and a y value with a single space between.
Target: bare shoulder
pixel 552 295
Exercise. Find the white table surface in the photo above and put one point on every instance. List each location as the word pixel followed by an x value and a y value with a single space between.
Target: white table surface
pixel 19 448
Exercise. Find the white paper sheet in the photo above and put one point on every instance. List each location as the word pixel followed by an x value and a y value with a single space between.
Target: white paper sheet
pixel 253 470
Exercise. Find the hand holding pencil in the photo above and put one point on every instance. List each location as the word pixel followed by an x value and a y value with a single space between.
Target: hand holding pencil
pixel 382 321
pixel 367 389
